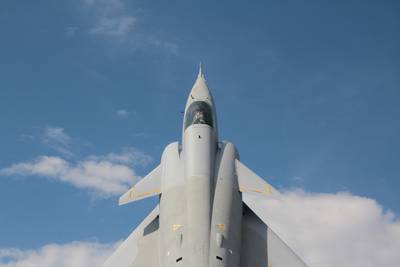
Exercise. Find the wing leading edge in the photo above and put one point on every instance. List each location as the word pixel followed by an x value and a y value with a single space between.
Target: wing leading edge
pixel 251 183
pixel 146 187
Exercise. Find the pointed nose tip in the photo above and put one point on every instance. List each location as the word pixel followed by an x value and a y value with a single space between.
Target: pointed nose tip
pixel 200 91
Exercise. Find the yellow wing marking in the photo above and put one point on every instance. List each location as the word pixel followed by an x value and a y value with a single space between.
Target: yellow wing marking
pixel 176 227
pixel 267 190
pixel 151 192
pixel 221 226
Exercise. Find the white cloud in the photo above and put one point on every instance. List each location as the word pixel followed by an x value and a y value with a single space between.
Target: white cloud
pixel 114 20
pixel 57 139
pixel 75 254
pixel 57 134
pixel 44 165
pixel 336 229
pixel 122 113
pixel 104 176
pixel 111 19
pixel 129 156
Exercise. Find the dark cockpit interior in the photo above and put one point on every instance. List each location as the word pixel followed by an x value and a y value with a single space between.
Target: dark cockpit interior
pixel 199 112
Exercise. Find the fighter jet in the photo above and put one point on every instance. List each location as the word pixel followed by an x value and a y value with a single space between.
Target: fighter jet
pixel 210 204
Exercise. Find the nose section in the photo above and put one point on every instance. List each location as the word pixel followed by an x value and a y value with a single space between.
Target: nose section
pixel 200 91
pixel 200 107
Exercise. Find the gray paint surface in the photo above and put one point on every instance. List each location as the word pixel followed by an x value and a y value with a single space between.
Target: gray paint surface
pixel 204 217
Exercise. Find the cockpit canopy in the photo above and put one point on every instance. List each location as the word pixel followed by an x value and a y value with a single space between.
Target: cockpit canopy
pixel 199 112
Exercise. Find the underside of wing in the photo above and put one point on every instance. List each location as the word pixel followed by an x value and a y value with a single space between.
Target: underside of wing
pixel 141 248
pixel 251 183
pixel 262 247
pixel 149 186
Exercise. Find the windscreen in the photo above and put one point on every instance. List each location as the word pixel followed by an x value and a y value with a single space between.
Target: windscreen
pixel 199 112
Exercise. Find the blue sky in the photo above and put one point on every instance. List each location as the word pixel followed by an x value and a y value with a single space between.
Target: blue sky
pixel 307 90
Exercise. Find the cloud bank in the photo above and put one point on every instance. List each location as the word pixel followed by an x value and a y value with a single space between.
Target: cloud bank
pixel 75 254
pixel 105 176
pixel 336 229
pixel 327 230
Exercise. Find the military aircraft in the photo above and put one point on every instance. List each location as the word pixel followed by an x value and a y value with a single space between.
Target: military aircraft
pixel 209 211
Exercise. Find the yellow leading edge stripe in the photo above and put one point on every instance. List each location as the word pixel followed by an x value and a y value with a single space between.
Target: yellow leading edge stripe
pixel 132 194
pixel 267 190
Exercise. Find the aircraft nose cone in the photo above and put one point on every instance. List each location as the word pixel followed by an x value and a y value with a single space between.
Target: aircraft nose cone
pixel 200 91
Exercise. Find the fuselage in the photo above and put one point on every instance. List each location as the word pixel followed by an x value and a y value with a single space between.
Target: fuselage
pixel 201 220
